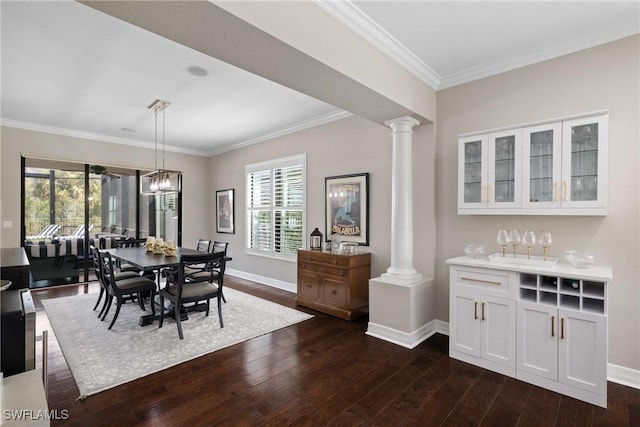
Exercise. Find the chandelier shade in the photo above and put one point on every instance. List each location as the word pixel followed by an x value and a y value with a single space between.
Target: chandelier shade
pixel 160 181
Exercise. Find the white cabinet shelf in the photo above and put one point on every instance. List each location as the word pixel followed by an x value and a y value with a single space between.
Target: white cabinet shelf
pixel 544 325
pixel 554 168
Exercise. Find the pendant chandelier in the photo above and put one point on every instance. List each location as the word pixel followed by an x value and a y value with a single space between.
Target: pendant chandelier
pixel 160 181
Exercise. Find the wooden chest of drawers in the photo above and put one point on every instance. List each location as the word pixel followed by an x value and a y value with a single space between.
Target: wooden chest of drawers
pixel 333 283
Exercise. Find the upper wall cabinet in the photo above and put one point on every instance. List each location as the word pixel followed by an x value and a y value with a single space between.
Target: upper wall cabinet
pixel 556 168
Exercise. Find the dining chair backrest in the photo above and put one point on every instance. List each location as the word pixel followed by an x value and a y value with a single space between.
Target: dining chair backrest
pixel 203 245
pixel 130 242
pixel 220 247
pixel 203 262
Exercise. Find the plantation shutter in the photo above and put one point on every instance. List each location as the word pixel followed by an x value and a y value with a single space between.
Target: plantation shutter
pixel 276 207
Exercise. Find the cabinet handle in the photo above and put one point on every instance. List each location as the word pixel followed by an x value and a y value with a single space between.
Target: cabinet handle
pixel 489 282
pixel 334 292
pixel 565 197
pixel 304 265
pixel 334 261
pixel 342 272
pixel 483 311
pixel 561 328
pixel 553 326
pixel 483 193
pixel 475 310
pixel 308 258
pixel 555 191
pixel 308 286
pixel 492 193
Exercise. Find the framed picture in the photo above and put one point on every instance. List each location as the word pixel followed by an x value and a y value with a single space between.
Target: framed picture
pixel 225 211
pixel 346 199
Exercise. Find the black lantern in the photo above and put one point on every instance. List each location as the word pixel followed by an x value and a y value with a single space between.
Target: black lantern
pixel 315 243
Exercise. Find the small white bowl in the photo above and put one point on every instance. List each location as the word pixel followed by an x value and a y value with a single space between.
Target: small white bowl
pixel 474 251
pixel 579 259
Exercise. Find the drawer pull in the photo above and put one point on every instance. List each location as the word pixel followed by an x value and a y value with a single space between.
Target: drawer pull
pixel 334 261
pixel 475 310
pixel 553 326
pixel 483 311
pixel 342 272
pixel 334 292
pixel 308 258
pixel 561 328
pixel 489 282
pixel 308 286
pixel 304 265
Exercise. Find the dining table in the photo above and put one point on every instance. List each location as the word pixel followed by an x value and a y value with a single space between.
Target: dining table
pixel 145 260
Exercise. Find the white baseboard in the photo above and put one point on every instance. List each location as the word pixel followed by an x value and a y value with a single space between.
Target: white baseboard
pixel 274 283
pixel 625 376
pixel 404 339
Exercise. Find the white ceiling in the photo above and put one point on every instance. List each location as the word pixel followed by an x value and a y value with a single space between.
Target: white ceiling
pixel 69 69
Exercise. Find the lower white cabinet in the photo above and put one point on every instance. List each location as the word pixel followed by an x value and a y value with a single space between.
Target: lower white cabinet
pixel 543 325
pixel 562 345
pixel 482 326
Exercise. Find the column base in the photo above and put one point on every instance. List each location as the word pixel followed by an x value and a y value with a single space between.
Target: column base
pixel 401 310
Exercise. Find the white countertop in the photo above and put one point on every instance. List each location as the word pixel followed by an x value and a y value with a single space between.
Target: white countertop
pixel 592 272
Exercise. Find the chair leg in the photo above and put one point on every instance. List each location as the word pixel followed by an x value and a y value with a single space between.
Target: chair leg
pixel 104 304
pixel 223 298
pixel 115 316
pixel 99 298
pixel 161 311
pixel 220 311
pixel 208 305
pixel 109 304
pixel 177 311
pixel 152 301
pixel 140 301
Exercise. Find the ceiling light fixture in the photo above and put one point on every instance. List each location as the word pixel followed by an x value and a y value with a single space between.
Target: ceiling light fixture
pixel 160 181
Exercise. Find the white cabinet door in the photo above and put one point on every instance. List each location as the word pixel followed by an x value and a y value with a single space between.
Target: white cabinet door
pixel 472 172
pixel 541 166
pixel 464 334
pixel 582 354
pixel 504 169
pixel 537 347
pixel 585 162
pixel 498 330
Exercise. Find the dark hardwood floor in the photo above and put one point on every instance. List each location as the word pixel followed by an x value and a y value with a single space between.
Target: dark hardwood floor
pixel 324 371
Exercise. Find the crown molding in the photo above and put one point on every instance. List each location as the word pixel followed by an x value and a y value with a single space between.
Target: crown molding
pixel 351 16
pixel 531 57
pixel 361 24
pixel 317 121
pixel 95 137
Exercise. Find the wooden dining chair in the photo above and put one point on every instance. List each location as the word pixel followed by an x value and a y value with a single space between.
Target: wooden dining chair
pixel 121 289
pixel 103 285
pixel 181 289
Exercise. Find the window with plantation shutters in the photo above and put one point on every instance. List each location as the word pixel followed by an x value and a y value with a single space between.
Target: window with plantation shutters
pixel 276 207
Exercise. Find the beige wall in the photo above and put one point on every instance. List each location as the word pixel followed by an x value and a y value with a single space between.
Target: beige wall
pixel 602 78
pixel 196 220
pixel 352 145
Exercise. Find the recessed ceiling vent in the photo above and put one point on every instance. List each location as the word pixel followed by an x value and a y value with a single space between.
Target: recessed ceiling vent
pixel 197 71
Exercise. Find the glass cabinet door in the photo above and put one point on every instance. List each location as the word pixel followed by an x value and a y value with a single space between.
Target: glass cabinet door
pixel 584 162
pixel 504 169
pixel 541 165
pixel 472 171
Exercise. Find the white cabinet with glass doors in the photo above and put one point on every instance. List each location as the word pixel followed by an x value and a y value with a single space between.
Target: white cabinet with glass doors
pixel 489 176
pixel 555 168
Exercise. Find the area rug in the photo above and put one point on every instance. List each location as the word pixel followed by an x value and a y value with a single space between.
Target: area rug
pixel 100 359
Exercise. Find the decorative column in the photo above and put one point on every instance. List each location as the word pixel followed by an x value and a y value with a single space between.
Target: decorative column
pixel 401 308
pixel 401 268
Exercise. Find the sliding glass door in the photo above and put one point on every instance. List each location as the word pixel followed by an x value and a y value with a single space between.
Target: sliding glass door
pixel 68 207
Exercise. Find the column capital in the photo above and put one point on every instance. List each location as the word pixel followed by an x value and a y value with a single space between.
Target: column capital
pixel 402 123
